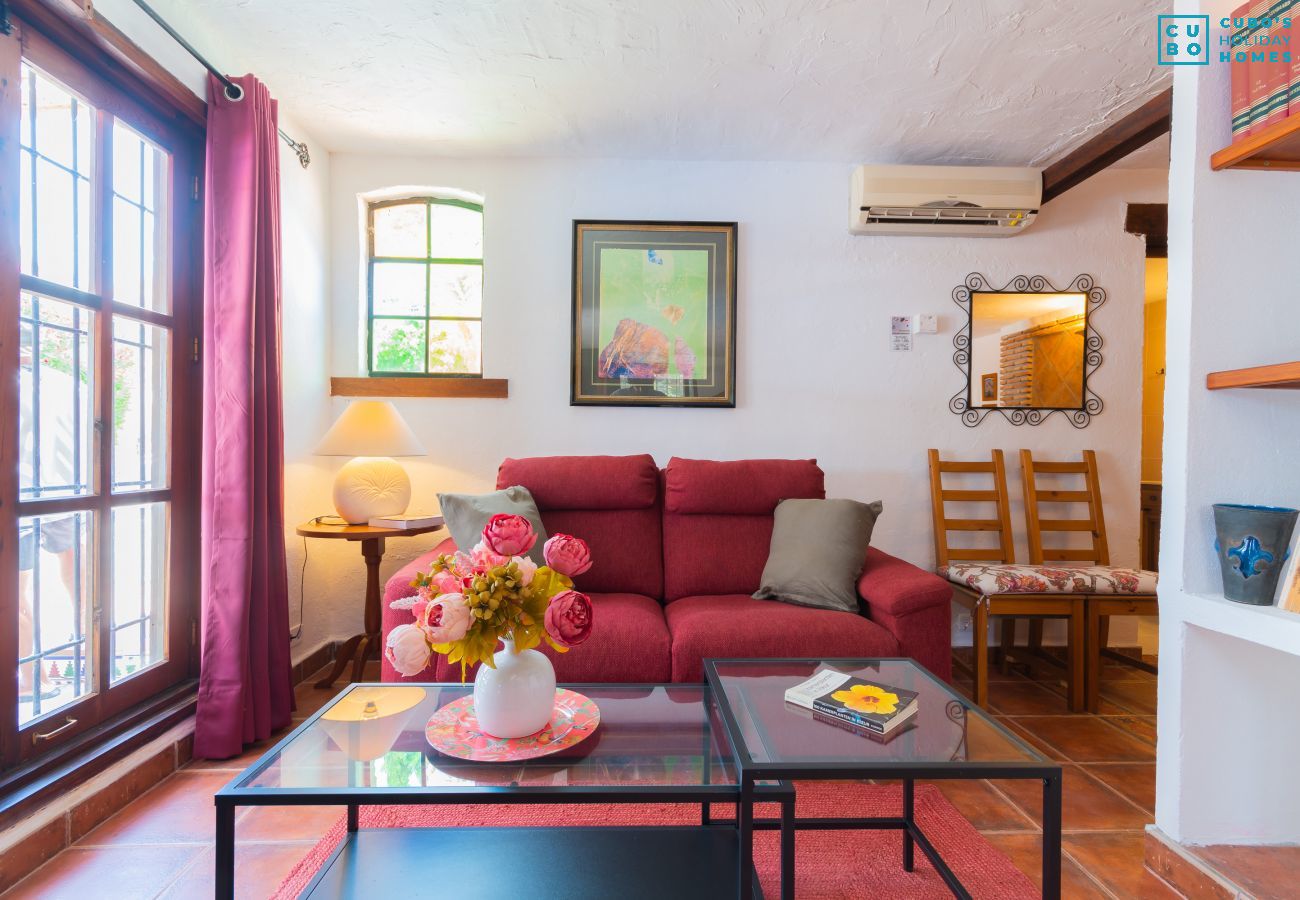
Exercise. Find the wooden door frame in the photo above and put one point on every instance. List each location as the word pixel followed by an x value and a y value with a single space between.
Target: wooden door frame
pixel 53 47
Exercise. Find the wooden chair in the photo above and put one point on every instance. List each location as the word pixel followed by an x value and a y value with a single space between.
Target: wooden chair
pixel 988 582
pixel 1108 591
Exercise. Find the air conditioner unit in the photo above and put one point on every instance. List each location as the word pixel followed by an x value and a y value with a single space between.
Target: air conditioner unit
pixel 969 201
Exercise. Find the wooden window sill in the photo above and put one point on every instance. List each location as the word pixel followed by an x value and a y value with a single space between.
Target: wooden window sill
pixel 477 388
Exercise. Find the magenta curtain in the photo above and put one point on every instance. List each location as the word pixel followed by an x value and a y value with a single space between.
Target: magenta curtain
pixel 245 684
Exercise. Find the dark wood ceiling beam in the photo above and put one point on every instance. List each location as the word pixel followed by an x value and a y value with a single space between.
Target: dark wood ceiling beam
pixel 1137 129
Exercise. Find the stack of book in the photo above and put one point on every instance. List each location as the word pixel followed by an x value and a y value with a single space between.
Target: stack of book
pixel 1265 60
pixel 865 706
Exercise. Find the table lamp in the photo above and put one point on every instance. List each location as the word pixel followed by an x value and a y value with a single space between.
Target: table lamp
pixel 371 484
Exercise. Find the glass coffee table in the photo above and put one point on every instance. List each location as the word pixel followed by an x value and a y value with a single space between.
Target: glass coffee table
pixel 654 744
pixel 949 737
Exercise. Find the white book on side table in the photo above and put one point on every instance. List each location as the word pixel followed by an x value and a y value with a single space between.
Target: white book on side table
pixel 406 520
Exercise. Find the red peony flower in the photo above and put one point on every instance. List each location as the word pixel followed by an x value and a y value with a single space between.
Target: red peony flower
pixel 567 555
pixel 509 535
pixel 568 618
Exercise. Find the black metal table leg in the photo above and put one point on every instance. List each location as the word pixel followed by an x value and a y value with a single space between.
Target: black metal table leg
pixel 745 822
pixel 787 849
pixel 225 873
pixel 1052 836
pixel 353 809
pixel 908 843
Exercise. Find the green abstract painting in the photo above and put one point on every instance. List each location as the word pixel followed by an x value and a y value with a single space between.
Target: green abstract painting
pixel 654 309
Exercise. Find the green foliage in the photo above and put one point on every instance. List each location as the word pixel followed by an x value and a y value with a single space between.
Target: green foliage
pixel 401 768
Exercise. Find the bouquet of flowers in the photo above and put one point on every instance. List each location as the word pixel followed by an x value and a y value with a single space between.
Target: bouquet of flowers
pixel 467 602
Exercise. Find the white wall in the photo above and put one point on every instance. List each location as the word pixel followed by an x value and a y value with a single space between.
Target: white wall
pixel 1226 771
pixel 815 375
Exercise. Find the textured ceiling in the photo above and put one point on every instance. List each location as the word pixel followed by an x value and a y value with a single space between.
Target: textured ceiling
pixel 1006 82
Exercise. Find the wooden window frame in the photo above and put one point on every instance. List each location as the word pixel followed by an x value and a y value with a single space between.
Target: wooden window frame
pixel 428 201
pixel 71 55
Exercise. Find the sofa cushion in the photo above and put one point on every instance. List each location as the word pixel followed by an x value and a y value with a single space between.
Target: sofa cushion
pixel 818 550
pixel 998 578
pixel 585 482
pixel 717 526
pixel 742 627
pixel 741 487
pixel 628 644
pixel 612 503
pixel 468 514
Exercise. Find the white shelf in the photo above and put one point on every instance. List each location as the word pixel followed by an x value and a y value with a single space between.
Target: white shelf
pixel 1267 626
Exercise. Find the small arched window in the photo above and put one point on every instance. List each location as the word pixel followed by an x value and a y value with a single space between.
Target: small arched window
pixel 424 308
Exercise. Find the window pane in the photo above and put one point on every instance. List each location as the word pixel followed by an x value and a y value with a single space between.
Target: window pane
pixel 400 230
pixel 455 290
pixel 455 347
pixel 398 345
pixel 56 138
pixel 139 587
pixel 54 612
pixel 455 232
pixel 139 230
pixel 398 289
pixel 56 398
pixel 139 405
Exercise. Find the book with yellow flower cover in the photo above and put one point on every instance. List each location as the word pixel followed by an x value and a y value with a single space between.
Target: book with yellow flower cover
pixel 867 704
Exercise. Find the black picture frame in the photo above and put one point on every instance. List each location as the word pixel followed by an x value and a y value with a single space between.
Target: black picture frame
pixel 698 360
pixel 962 403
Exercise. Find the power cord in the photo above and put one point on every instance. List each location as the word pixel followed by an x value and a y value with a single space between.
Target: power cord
pixel 302 574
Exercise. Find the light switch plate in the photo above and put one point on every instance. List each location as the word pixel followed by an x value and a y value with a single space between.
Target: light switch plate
pixel 924 323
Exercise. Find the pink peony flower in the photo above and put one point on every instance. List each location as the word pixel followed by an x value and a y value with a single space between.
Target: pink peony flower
pixel 446 619
pixel 567 555
pixel 445 582
pixel 509 535
pixel 485 558
pixel 568 618
pixel 527 569
pixel 407 650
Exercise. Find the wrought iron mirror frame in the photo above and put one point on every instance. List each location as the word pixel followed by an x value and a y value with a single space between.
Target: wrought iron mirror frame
pixel 975 283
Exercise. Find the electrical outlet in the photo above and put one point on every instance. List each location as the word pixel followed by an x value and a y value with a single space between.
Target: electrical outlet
pixel 963 622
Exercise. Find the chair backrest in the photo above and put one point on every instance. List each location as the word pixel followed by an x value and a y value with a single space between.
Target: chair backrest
pixel 1005 551
pixel 1036 526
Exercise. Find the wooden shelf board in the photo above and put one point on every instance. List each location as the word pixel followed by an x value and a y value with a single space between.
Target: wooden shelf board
pixel 1276 147
pixel 480 388
pixel 1280 375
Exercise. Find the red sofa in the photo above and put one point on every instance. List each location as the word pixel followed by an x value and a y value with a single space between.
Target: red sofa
pixel 678 553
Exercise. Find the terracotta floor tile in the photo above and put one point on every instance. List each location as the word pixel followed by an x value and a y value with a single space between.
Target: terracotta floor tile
pixel 986 809
pixel 178 811
pixel 107 873
pixel 1115 671
pixel 1087 738
pixel 1141 727
pixel 311 698
pixel 287 823
pixel 1116 860
pixel 31 852
pixel 1136 781
pixel 1025 850
pixel 1087 804
pixel 1025 698
pixel 259 870
pixel 1030 738
pixel 241 762
pixel 94 810
pixel 1264 871
pixel 1135 696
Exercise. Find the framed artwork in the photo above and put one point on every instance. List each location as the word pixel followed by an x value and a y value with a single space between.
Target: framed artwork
pixel 654 314
pixel 989 387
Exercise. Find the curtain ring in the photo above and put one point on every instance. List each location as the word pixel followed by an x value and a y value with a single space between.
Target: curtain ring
pixel 234 92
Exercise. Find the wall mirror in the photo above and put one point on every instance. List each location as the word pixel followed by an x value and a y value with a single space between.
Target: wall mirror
pixel 1027 350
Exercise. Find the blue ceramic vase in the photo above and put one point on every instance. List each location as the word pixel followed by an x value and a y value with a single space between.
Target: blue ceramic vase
pixel 1252 543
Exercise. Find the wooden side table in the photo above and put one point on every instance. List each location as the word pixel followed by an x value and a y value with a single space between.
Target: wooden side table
pixel 358 647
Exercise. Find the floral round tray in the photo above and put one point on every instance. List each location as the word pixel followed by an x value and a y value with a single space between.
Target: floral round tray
pixel 454 730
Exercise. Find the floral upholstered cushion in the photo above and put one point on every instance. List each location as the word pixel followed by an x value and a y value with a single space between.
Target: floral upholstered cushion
pixel 996 578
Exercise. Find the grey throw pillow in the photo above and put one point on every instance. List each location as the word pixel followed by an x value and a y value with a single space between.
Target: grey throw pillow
pixel 818 550
pixel 466 514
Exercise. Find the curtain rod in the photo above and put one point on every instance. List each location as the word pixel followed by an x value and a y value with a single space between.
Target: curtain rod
pixel 232 90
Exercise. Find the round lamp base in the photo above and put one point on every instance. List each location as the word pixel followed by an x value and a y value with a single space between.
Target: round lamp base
pixel 368 486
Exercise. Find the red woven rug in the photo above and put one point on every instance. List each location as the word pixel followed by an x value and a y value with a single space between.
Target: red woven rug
pixel 829 865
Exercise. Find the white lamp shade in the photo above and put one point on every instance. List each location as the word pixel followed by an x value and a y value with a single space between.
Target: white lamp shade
pixel 370 428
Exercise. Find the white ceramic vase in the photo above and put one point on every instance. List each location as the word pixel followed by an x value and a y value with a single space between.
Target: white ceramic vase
pixel 517 698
